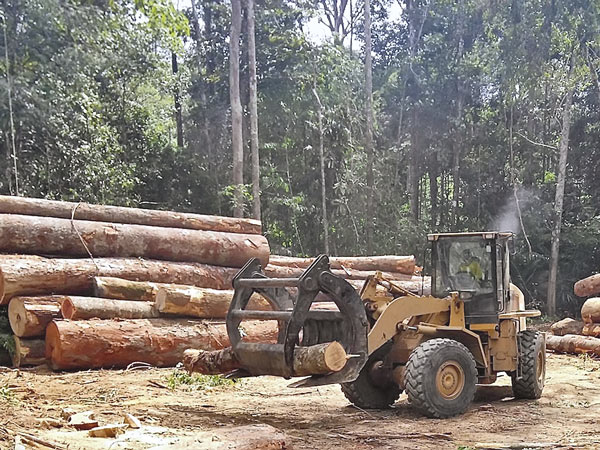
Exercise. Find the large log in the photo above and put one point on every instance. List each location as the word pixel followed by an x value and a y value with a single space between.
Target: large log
pixel 566 326
pixel 572 343
pixel 121 289
pixel 416 285
pixel 29 352
pixel 50 235
pixel 92 344
pixel 590 311
pixel 82 308
pixel 119 214
pixel 389 263
pixel 30 275
pixel 28 316
pixel 591 329
pixel 312 360
pixel 588 286
pixel 349 274
pixel 201 302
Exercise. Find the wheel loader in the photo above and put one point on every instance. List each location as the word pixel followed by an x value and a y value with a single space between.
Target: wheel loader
pixel 436 347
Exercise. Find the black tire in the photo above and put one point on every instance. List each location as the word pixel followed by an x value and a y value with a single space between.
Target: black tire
pixel 441 378
pixel 532 358
pixel 365 393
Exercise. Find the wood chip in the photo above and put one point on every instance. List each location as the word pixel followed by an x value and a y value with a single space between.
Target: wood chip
pixel 132 421
pixel 108 431
pixel 83 420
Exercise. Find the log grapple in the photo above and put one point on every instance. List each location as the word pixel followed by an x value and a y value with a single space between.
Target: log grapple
pixel 300 322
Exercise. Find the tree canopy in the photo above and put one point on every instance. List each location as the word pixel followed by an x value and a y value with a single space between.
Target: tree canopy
pixel 468 103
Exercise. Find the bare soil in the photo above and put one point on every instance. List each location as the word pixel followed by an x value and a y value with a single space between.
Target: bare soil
pixel 567 415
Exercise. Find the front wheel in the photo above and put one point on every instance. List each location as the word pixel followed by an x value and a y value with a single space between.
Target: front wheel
pixel 367 392
pixel 532 358
pixel 441 378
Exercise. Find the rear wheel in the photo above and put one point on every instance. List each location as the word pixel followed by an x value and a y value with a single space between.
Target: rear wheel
pixel 532 358
pixel 441 378
pixel 369 391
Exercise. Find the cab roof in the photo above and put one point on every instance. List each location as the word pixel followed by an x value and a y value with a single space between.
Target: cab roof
pixel 480 234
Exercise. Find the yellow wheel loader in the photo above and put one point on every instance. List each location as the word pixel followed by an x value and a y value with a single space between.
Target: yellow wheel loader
pixel 436 347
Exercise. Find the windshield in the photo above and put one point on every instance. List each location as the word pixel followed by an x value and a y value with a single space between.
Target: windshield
pixel 463 265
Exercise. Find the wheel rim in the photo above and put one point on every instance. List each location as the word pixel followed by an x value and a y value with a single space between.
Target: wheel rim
pixel 541 368
pixel 450 380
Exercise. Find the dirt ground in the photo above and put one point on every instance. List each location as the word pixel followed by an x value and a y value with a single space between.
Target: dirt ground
pixel 318 418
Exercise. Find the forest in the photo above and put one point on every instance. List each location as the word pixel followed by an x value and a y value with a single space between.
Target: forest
pixel 403 117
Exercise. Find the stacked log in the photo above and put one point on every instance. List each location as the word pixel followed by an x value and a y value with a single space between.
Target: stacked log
pixel 571 336
pixel 52 236
pixel 91 286
pixel 96 343
pixel 117 214
pixel 395 264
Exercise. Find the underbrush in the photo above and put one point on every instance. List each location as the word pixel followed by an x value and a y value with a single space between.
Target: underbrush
pixel 182 379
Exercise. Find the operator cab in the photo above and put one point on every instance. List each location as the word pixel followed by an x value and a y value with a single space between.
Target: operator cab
pixel 476 265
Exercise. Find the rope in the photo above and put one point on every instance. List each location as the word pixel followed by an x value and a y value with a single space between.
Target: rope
pixel 81 237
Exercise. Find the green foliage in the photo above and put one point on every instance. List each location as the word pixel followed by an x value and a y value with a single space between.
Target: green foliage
pixel 181 379
pixel 468 101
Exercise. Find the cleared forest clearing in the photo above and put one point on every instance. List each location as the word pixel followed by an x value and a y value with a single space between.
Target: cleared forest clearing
pixel 316 418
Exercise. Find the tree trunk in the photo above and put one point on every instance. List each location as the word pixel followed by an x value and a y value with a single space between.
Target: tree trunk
pixel 591 329
pixel 121 214
pixel 325 221
pixel 202 303
pixel 412 179
pixel 572 343
pixel 590 311
pixel 31 275
pixel 312 360
pixel 566 326
pixel 177 102
pixel 253 103
pixel 28 316
pixel 560 194
pixel 387 263
pixel 350 274
pixel 29 352
pixel 236 108
pixel 82 308
pixel 588 286
pixel 95 344
pixel 49 235
pixel 369 130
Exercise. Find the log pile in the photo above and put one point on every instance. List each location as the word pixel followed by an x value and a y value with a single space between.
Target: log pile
pixel 571 336
pixel 93 286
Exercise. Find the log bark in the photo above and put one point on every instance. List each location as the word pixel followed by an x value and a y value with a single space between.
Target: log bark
pixel 201 302
pixel 28 316
pixel 83 308
pixel 30 275
pixel 590 311
pixel 29 352
pixel 119 214
pixel 348 274
pixel 52 236
pixel 572 343
pixel 591 329
pixel 95 344
pixel 588 286
pixel 566 326
pixel 313 360
pixel 390 263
